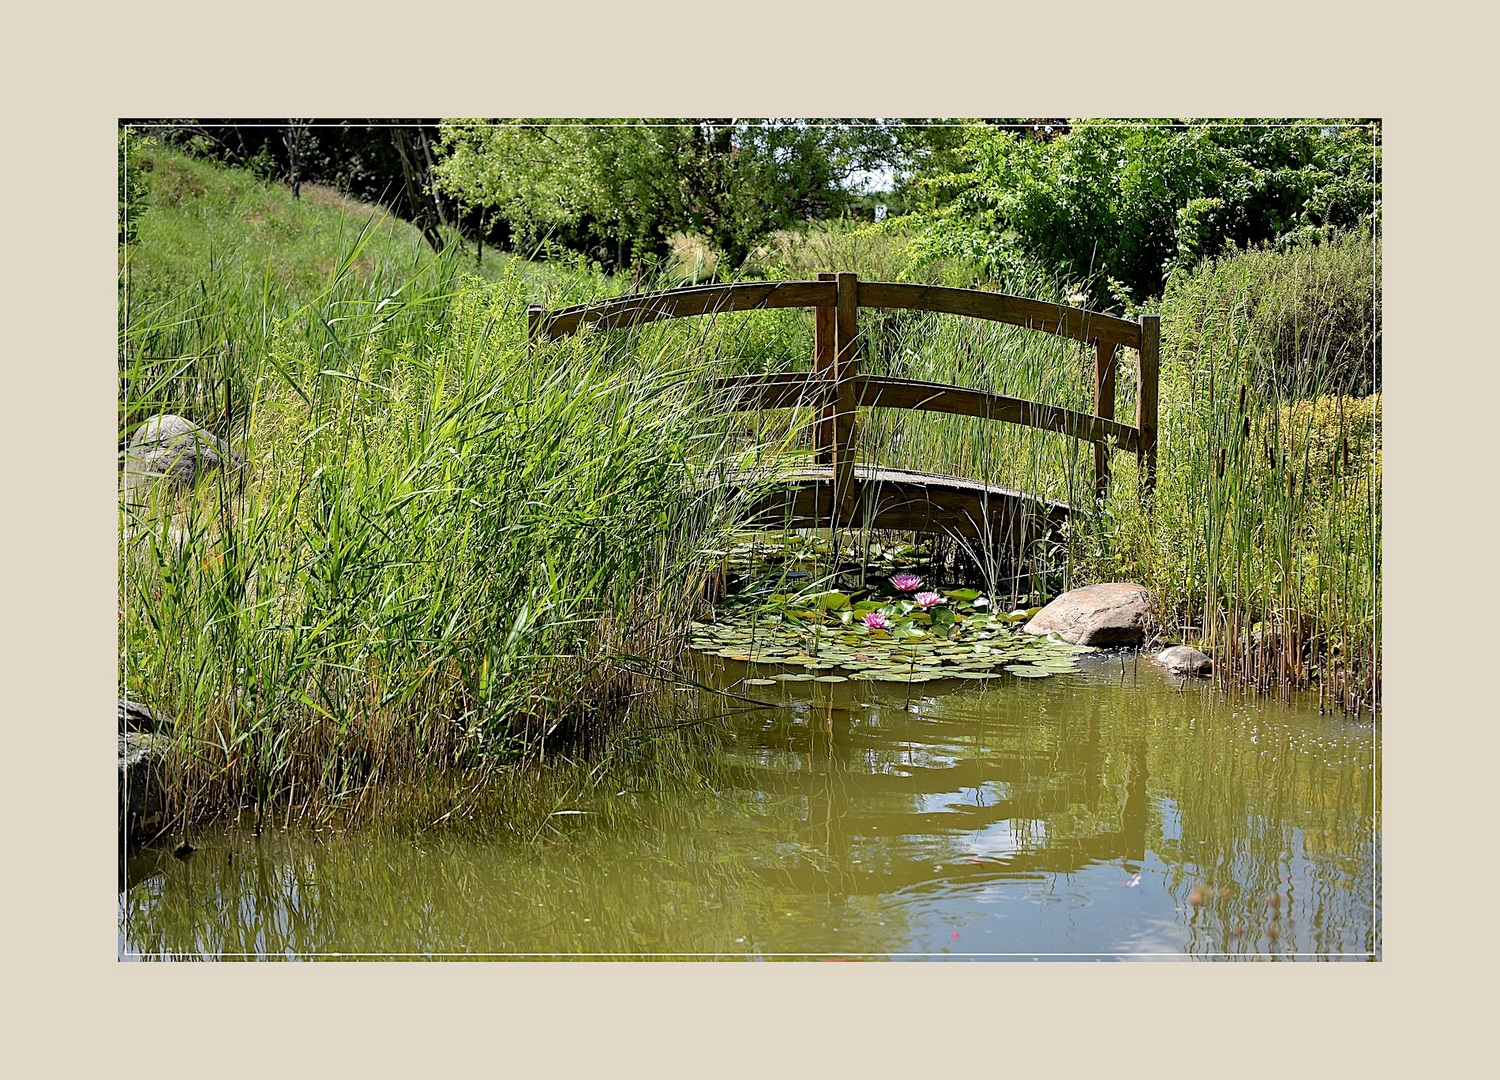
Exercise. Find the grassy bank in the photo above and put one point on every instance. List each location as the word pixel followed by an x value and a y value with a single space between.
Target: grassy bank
pixel 446 552
pixel 1263 542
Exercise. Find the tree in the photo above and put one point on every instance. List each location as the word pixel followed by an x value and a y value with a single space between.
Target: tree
pixel 622 188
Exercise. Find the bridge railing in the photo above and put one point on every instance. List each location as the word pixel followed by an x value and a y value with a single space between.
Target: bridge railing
pixel 837 389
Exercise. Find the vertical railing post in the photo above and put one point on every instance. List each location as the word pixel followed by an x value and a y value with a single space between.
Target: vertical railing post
pixel 846 369
pixel 824 319
pixel 1104 407
pixel 533 324
pixel 1145 407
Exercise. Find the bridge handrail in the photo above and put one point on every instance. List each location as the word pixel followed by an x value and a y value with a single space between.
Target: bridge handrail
pixel 1090 327
pixel 680 304
pixel 836 388
pixel 797 389
pixel 1080 324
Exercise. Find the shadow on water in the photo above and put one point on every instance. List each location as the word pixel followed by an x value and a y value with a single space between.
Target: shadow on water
pixel 1105 813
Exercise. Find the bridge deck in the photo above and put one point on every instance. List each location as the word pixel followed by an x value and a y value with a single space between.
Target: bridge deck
pixel 900 499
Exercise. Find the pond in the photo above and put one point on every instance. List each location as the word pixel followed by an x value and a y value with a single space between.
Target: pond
pixel 1112 813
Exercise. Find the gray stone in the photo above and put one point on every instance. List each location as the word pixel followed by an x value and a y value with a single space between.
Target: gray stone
pixel 134 716
pixel 1181 660
pixel 142 792
pixel 1110 613
pixel 177 451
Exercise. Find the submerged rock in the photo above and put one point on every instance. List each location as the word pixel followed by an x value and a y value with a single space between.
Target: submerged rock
pixel 1110 613
pixel 177 451
pixel 1181 660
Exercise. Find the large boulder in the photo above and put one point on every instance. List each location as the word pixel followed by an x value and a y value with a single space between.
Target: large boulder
pixel 177 451
pixel 1111 613
pixel 1181 660
pixel 142 793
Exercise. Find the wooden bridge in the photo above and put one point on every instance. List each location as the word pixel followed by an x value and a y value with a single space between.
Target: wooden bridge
pixel 837 492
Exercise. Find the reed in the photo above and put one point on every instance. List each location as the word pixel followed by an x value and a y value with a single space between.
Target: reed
pixel 444 542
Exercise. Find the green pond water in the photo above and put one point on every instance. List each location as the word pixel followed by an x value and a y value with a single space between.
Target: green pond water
pixel 1107 813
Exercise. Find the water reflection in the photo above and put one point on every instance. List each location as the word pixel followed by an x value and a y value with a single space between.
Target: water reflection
pixel 1102 813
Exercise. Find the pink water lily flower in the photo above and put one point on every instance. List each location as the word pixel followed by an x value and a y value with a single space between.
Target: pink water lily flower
pixel 906 582
pixel 927 599
pixel 876 621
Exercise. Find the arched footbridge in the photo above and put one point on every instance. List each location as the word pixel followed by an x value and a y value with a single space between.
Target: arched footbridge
pixel 835 491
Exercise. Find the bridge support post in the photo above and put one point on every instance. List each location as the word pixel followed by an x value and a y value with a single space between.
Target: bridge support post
pixel 533 324
pixel 846 369
pixel 1145 401
pixel 1104 406
pixel 824 346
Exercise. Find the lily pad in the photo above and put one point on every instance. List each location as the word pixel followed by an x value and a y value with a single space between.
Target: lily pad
pixel 1025 671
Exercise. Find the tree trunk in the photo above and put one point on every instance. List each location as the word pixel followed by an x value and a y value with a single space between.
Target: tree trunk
pixel 293 140
pixel 427 177
pixel 413 192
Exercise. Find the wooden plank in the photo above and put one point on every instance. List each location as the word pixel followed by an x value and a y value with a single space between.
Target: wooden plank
pixel 1145 402
pixel 846 369
pixel 881 391
pixel 1077 323
pixel 1104 407
pixel 900 499
pixel 686 303
pixel 784 390
pixel 824 341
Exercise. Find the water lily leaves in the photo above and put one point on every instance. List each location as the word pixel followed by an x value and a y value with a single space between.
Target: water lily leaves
pixel 759 682
pixel 822 636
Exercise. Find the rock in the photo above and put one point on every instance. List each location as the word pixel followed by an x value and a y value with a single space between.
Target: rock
pixel 1111 613
pixel 177 450
pixel 142 794
pixel 137 717
pixel 1181 660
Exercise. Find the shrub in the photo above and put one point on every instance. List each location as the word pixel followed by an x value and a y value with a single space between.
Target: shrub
pixel 1310 309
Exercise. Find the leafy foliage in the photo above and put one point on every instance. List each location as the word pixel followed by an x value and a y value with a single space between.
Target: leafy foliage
pixel 1123 204
pixel 132 185
pixel 619 190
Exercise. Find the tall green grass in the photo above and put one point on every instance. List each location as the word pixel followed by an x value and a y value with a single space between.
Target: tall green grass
pixel 1263 540
pixel 448 550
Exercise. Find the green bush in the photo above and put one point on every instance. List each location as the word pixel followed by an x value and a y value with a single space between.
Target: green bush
pixel 1123 204
pixel 133 200
pixel 1310 309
